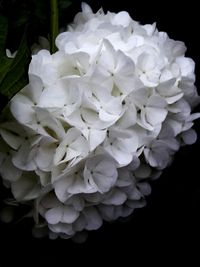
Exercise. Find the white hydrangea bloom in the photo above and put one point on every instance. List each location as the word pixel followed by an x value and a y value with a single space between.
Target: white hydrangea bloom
pixel 98 119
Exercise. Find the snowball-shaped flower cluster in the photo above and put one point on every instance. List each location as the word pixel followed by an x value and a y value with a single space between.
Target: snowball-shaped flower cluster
pixel 98 118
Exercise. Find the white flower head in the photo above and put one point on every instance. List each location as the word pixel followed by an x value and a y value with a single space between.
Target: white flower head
pixel 98 119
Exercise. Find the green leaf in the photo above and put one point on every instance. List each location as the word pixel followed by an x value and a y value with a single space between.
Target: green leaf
pixel 15 80
pixel 13 71
pixel 16 76
pixel 5 62
pixel 4 66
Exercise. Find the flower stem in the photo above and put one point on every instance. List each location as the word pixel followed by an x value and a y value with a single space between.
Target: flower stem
pixel 54 24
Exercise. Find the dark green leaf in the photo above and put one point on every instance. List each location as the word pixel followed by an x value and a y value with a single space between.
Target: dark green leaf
pixel 14 81
pixel 17 72
pixel 4 66
pixel 13 71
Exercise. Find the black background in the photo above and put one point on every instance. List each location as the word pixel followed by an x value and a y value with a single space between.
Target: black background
pixel 167 230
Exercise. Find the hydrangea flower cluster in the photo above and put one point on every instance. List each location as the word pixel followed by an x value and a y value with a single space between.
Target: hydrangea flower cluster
pixel 98 119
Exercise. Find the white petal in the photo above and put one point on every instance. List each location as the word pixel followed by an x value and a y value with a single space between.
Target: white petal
pixel 125 65
pixel 171 143
pixel 94 197
pixel 86 9
pixel 35 88
pixel 193 116
pixel 146 62
pixel 155 115
pixel 61 188
pixel 189 137
pixel 108 58
pixel 93 219
pixel 173 99
pixel 129 145
pixel 26 188
pixel 121 18
pixel 24 159
pixel 79 224
pixel 135 163
pixel 128 84
pixel 45 177
pixel 105 116
pixel 7 214
pixel 96 137
pixel 126 211
pixel 9 172
pixel 145 188
pixel 150 79
pixel 122 157
pixel 125 178
pixel 50 201
pixel 134 194
pixel 78 203
pixel 156 101
pixel 104 183
pixel 69 214
pixel 120 133
pixel 116 197
pixel 186 65
pixel 158 158
pixel 150 29
pixel 53 96
pixel 42 66
pixel 107 212
pixel 71 154
pixel 140 97
pixel 80 145
pixel 143 171
pixel 176 126
pixel 12 139
pixel 62 228
pixel 44 157
pixel 129 118
pixel 60 153
pixel 54 215
pixel 22 112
